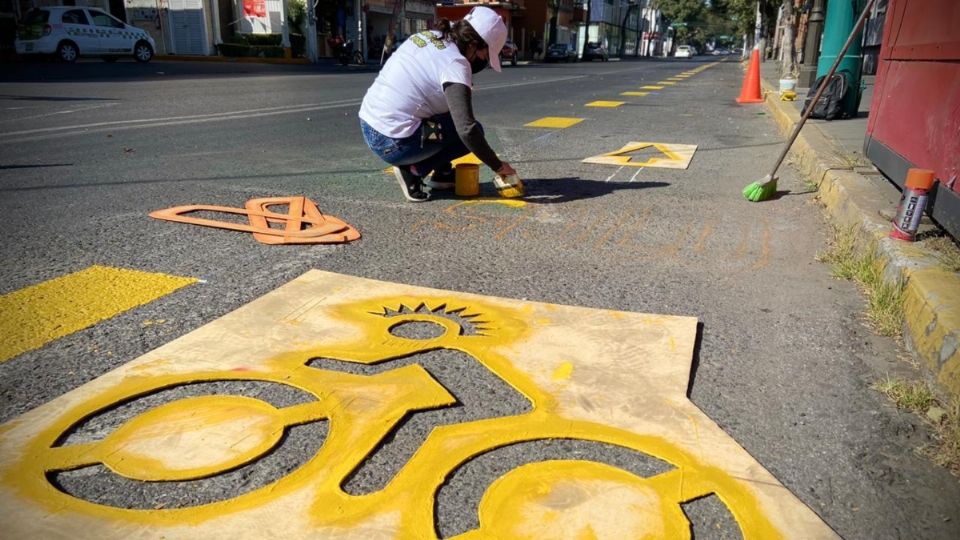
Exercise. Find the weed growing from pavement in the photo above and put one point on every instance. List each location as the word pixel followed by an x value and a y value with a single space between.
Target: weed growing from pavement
pixel 862 264
pixel 918 397
pixel 946 251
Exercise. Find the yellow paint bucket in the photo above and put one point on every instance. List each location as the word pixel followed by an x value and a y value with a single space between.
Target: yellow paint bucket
pixel 467 182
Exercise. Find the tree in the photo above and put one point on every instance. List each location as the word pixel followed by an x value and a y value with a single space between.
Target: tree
pixel 684 15
pixel 788 60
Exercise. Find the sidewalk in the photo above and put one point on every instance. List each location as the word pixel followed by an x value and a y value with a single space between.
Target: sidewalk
pixel 857 195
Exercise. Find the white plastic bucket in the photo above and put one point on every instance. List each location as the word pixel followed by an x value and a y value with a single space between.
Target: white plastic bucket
pixel 787 84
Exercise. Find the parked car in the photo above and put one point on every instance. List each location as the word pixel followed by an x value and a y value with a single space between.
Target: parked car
pixel 594 50
pixel 509 52
pixel 560 52
pixel 684 51
pixel 69 32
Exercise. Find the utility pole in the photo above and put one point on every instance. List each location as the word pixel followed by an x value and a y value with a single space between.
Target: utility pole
pixel 285 30
pixel 623 27
pixel 811 47
pixel 313 53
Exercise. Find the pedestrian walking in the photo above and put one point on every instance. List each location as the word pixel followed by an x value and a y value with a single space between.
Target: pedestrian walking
pixel 418 114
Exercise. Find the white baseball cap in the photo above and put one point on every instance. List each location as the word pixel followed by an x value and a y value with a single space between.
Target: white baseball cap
pixel 491 28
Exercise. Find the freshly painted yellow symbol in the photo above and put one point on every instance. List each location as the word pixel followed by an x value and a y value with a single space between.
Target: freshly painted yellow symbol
pixel 61 306
pixel 672 156
pixel 554 122
pixel 345 345
pixel 609 104
pixel 651 87
pixel 639 94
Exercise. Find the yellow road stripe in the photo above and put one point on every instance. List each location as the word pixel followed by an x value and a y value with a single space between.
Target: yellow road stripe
pixel 36 315
pixel 666 83
pixel 651 87
pixel 610 104
pixel 634 93
pixel 558 122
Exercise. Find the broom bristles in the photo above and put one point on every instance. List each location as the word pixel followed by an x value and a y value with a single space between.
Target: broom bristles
pixel 760 191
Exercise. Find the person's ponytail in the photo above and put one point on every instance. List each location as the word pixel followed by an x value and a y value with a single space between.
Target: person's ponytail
pixel 460 33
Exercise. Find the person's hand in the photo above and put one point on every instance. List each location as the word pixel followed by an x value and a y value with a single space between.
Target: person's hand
pixel 505 170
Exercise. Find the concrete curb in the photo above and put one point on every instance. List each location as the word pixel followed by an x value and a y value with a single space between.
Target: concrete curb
pixel 931 293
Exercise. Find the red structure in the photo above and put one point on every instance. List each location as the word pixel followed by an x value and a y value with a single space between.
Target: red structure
pixel 915 115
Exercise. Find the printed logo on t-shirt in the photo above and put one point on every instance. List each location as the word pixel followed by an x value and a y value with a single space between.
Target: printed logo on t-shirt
pixel 421 39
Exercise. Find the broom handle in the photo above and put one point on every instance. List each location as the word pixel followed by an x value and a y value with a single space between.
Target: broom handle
pixel 823 85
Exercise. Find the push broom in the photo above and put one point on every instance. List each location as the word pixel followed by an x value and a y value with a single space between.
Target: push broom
pixel 767 187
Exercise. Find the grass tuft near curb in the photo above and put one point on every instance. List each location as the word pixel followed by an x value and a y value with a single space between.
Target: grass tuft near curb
pixel 918 397
pixel 863 264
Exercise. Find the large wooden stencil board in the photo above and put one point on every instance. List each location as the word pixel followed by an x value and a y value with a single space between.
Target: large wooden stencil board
pixel 590 375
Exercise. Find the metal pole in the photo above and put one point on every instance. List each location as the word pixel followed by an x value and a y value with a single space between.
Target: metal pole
pixel 811 47
pixel 313 52
pixel 285 29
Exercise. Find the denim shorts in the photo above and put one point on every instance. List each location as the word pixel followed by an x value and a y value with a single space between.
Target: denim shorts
pixel 413 150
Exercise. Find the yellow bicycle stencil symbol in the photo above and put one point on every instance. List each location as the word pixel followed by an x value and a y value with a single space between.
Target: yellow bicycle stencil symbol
pixel 205 436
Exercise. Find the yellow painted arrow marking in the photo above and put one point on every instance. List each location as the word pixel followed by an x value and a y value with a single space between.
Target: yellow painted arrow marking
pixel 675 156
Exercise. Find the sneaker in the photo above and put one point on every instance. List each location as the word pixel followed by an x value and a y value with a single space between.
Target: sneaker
pixel 443 180
pixel 410 184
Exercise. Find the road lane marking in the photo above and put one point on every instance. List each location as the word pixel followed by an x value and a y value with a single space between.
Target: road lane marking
pixel 651 87
pixel 666 83
pixel 38 314
pixel 639 94
pixel 554 122
pixel 243 114
pixel 607 104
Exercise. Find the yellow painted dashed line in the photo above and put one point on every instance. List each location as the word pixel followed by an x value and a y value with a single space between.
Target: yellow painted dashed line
pixel 36 315
pixel 640 94
pixel 554 122
pixel 651 87
pixel 666 83
pixel 609 104
pixel 676 79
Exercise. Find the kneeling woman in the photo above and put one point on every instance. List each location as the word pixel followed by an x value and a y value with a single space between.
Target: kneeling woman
pixel 418 114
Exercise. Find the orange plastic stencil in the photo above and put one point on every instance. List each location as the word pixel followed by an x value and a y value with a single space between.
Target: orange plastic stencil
pixel 304 223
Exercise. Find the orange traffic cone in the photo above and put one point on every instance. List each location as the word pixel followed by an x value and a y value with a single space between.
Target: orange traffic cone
pixel 750 93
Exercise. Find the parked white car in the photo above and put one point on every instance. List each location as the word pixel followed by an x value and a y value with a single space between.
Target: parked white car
pixel 73 31
pixel 684 51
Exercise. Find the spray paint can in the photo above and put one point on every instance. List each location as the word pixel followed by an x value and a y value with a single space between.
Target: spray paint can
pixel 467 180
pixel 914 199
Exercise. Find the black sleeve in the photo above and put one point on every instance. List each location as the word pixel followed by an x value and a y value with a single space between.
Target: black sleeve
pixel 459 99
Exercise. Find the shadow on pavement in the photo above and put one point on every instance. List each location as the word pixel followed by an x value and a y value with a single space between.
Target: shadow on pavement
pixel 556 190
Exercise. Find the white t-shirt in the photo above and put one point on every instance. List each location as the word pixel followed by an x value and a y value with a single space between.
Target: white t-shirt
pixel 409 88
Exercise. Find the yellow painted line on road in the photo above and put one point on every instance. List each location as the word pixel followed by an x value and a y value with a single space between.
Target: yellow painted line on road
pixel 666 83
pixel 641 94
pixel 36 315
pixel 554 122
pixel 651 87
pixel 609 104
pixel 676 79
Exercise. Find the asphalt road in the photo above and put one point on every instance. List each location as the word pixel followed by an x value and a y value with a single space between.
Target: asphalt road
pixel 783 361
